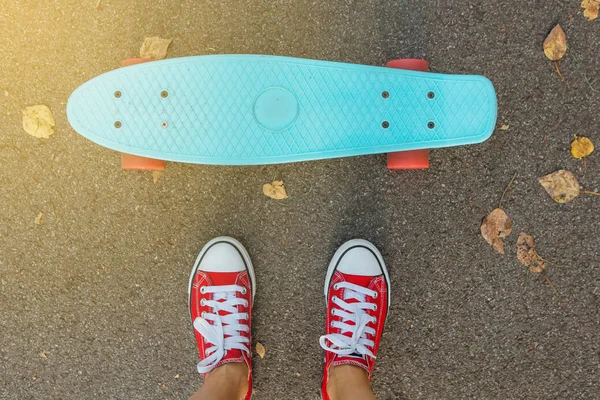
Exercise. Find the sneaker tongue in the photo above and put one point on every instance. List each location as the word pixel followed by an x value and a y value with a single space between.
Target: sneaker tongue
pixel 362 281
pixel 359 280
pixel 233 355
pixel 223 278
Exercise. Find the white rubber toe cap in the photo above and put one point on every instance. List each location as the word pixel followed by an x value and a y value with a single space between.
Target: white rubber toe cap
pixel 222 256
pixel 359 259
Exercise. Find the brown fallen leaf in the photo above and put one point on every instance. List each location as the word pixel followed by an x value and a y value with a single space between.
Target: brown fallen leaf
pixel 38 219
pixel 555 48
pixel 590 9
pixel 156 175
pixel 527 255
pixel 260 350
pixel 555 45
pixel 504 127
pixel 38 121
pixel 154 47
pixel 275 190
pixel 561 185
pixel 496 226
pixel 581 147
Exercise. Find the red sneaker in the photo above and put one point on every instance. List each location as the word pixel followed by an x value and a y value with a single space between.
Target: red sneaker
pixel 357 292
pixel 220 296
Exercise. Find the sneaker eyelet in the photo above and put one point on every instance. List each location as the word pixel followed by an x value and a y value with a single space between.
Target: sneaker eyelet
pixel 334 298
pixel 376 295
pixel 202 302
pixel 203 314
pixel 331 325
pixel 244 291
pixel 333 311
pixel 335 286
pixel 374 307
pixel 202 291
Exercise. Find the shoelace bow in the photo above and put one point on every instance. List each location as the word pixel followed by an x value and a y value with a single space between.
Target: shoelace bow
pixel 354 313
pixel 225 331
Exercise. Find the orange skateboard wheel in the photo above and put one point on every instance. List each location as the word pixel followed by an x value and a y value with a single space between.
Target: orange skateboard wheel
pixel 413 64
pixel 132 163
pixel 132 61
pixel 412 159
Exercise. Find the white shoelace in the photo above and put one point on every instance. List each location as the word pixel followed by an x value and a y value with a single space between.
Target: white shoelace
pixel 355 313
pixel 225 331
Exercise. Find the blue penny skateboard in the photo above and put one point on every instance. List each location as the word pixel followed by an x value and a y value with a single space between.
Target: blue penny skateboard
pixel 253 109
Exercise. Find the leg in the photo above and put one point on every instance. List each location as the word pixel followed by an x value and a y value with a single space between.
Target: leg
pixel 220 295
pixel 358 297
pixel 227 382
pixel 348 382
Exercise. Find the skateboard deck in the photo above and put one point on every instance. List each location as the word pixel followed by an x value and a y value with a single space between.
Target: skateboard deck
pixel 252 109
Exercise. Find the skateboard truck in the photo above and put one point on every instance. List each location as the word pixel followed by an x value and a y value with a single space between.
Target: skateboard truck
pixel 412 159
pixel 132 162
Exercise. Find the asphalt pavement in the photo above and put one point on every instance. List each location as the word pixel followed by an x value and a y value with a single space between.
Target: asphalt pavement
pixel 93 298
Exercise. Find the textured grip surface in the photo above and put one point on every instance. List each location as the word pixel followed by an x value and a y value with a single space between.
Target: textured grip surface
pixel 200 109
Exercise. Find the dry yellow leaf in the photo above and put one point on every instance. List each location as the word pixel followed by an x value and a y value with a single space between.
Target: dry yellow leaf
pixel 496 226
pixel 527 254
pixel 504 127
pixel 590 9
pixel 38 121
pixel 156 175
pixel 260 350
pixel 275 190
pixel 38 219
pixel 581 147
pixel 155 47
pixel 555 45
pixel 561 185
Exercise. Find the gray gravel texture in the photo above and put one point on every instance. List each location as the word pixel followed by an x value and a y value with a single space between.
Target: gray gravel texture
pixel 93 300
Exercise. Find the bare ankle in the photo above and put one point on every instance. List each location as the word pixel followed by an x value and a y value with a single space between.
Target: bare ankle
pixel 233 374
pixel 349 382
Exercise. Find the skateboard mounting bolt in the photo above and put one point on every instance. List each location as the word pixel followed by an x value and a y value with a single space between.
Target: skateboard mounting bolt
pixel 118 94
pixel 164 124
pixel 118 124
pixel 385 95
pixel 385 124
pixel 431 95
pixel 164 94
pixel 431 124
